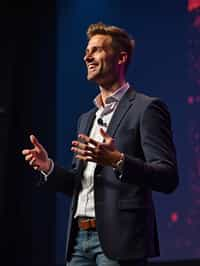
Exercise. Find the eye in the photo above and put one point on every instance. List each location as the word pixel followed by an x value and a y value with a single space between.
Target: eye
pixel 99 49
pixel 93 50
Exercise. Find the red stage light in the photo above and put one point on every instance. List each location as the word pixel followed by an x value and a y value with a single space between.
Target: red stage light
pixel 174 217
pixel 193 4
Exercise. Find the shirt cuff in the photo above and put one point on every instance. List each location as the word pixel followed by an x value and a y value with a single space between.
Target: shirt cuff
pixel 119 173
pixel 46 174
pixel 119 167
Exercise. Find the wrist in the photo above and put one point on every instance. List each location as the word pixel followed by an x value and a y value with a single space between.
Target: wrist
pixel 119 162
pixel 48 166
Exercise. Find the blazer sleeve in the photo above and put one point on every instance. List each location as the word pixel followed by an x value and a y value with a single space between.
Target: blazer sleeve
pixel 60 180
pixel 159 169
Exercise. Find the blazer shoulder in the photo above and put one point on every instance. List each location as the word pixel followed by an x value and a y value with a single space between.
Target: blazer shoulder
pixel 144 98
pixel 86 114
pixel 144 101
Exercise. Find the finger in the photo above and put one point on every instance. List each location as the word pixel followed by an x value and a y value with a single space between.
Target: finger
pixel 84 138
pixel 80 151
pixel 35 142
pixel 105 134
pixel 85 158
pixel 91 149
pixel 80 157
pixel 87 139
pixel 25 152
pixel 29 157
pixel 79 144
pixel 31 162
pixel 108 140
pixel 82 146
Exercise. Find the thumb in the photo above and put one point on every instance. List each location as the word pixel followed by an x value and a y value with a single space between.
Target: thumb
pixel 105 135
pixel 35 142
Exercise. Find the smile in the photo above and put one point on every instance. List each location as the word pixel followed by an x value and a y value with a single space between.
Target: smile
pixel 91 66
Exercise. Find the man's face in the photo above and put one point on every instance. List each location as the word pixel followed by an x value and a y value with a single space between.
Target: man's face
pixel 100 59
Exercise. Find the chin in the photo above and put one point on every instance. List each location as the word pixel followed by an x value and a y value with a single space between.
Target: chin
pixel 91 77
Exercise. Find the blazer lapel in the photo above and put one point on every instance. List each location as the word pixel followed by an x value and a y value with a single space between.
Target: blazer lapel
pixel 87 121
pixel 123 107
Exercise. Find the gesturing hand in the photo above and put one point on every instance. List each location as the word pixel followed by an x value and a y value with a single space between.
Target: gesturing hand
pixel 37 156
pixel 88 149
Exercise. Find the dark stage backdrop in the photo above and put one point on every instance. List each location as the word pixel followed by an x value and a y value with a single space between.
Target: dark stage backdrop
pixel 27 105
pixel 160 68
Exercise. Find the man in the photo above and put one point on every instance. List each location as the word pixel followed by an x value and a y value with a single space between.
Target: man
pixel 123 152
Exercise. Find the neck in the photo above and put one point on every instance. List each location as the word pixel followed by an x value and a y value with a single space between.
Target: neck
pixel 109 89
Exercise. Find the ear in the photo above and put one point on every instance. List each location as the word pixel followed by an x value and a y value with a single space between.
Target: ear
pixel 122 57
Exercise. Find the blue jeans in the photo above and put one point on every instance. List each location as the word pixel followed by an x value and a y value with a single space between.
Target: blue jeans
pixel 88 252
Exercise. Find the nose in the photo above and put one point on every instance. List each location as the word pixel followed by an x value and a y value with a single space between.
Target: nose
pixel 88 57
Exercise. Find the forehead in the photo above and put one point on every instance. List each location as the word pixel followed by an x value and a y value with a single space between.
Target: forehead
pixel 99 40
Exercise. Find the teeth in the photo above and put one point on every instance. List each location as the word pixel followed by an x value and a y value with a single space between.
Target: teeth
pixel 91 66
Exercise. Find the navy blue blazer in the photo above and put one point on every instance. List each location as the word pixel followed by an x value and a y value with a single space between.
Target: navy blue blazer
pixel 125 214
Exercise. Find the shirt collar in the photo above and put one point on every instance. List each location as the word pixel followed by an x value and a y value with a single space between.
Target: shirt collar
pixel 115 97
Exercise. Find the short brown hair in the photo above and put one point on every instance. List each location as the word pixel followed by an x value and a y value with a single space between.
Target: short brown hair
pixel 121 41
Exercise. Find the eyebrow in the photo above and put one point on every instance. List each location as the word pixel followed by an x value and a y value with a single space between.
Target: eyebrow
pixel 96 46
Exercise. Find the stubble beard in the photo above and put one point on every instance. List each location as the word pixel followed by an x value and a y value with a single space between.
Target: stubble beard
pixel 94 75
